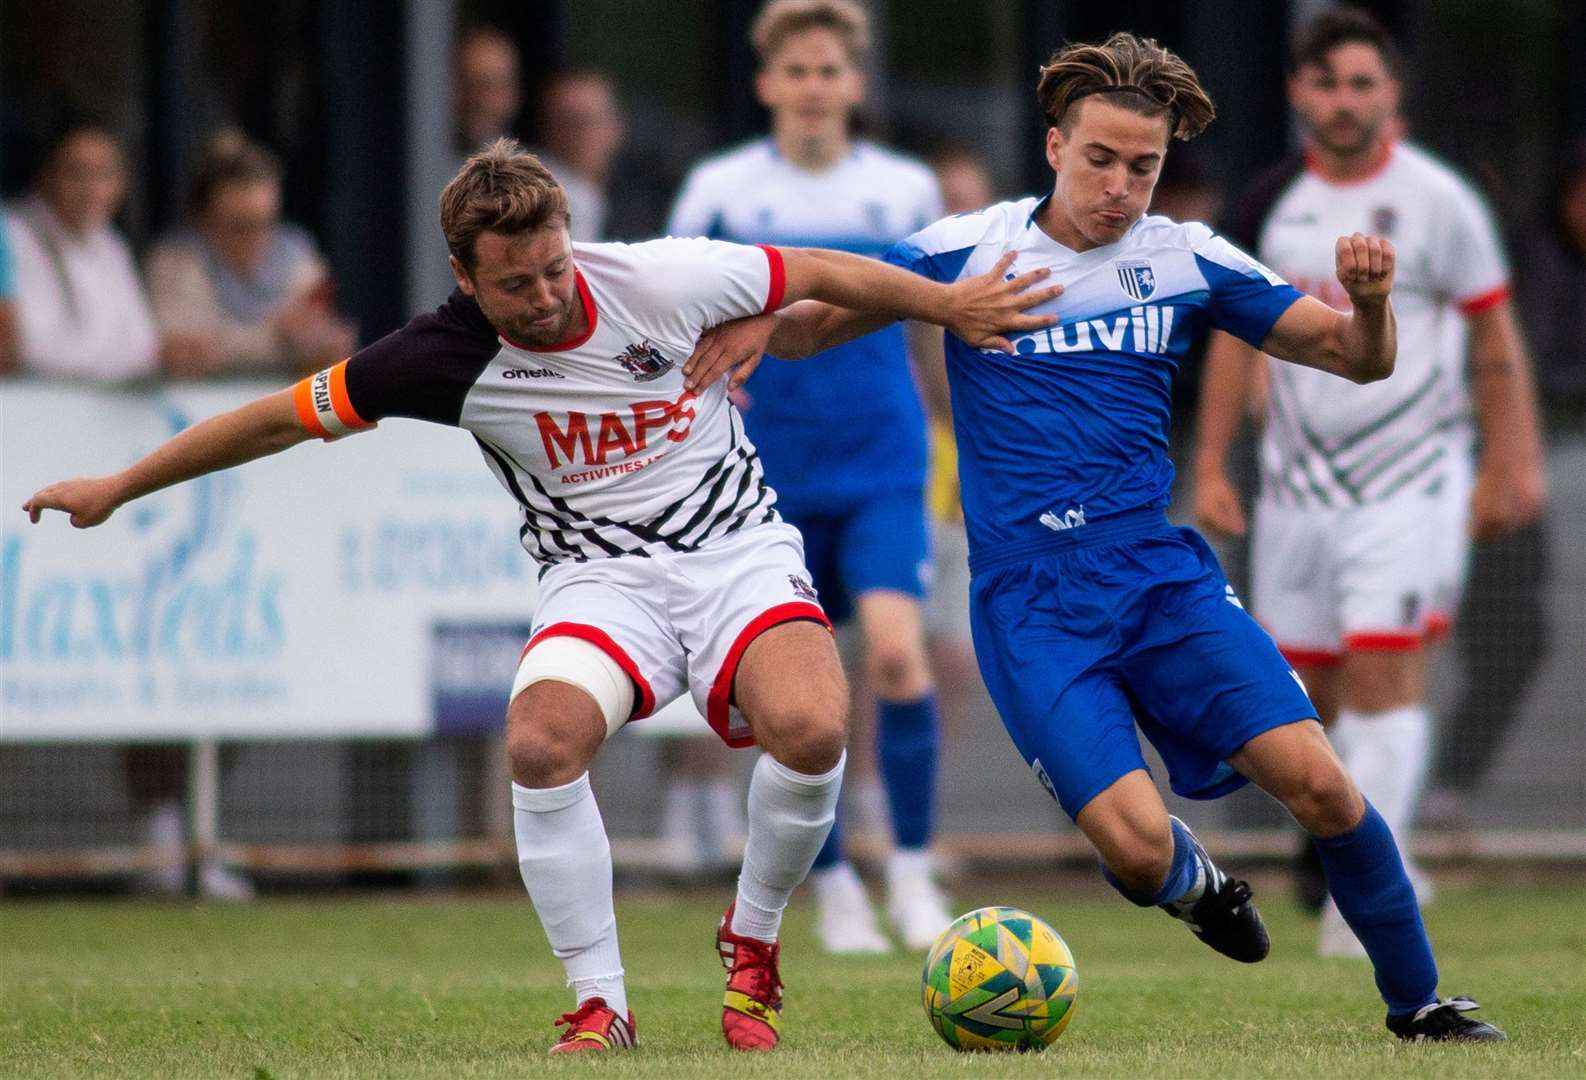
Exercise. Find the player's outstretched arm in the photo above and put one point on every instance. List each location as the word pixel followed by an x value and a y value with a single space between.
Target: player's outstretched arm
pixel 255 430
pixel 1360 345
pixel 979 310
pixel 836 297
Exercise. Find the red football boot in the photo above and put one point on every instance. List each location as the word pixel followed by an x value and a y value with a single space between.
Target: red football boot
pixel 751 1010
pixel 594 1026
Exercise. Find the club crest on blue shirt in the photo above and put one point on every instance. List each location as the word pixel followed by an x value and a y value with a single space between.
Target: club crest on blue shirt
pixel 1137 278
pixel 644 361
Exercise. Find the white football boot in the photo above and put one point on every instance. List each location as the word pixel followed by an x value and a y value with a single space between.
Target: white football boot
pixel 844 919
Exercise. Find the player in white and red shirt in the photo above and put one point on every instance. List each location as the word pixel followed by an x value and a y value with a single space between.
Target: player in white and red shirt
pixel 665 567
pixel 1368 494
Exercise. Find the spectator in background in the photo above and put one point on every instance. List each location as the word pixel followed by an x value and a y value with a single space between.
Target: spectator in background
pixel 83 315
pixel 581 130
pixel 81 309
pixel 250 290
pixel 488 92
pixel 8 306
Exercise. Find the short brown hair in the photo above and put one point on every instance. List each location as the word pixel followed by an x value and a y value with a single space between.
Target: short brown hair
pixel 502 188
pixel 782 19
pixel 230 157
pixel 1135 74
pixel 1343 25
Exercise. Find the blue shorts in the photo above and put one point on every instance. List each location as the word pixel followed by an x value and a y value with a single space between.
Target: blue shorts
pixel 874 543
pixel 1122 621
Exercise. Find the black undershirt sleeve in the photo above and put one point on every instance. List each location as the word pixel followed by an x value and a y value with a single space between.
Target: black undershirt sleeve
pixel 425 369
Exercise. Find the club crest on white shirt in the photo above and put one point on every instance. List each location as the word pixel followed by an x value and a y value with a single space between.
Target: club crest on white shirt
pixel 1136 278
pixel 644 361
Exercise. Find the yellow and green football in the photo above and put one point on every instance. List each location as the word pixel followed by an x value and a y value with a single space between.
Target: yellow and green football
pixel 999 979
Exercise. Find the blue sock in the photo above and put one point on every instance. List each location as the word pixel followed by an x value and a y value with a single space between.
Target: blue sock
pixel 1181 876
pixel 1374 895
pixel 831 852
pixel 906 747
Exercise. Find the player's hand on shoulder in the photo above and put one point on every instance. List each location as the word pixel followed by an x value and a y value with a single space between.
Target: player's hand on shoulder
pixel 982 310
pixel 88 501
pixel 733 349
pixel 1365 267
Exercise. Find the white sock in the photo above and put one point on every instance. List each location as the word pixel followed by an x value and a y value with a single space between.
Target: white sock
pixel 908 868
pixel 790 814
pixel 565 859
pixel 1388 753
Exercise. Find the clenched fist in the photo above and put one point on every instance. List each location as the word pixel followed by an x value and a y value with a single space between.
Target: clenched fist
pixel 1365 267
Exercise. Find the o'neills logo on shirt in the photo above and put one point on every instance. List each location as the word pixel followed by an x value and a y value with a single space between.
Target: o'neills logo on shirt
pixel 644 361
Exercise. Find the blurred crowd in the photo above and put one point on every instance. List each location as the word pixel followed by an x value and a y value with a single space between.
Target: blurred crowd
pixel 237 289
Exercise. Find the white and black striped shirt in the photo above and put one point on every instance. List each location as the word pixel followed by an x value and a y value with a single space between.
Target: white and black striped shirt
pixel 604 450
pixel 1329 443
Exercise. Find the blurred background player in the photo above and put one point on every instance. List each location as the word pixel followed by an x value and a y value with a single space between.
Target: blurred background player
pixel 250 289
pixel 581 131
pixel 1367 503
pixel 861 510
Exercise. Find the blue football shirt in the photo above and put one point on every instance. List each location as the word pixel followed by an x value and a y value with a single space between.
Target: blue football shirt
pixel 1073 424
pixel 846 423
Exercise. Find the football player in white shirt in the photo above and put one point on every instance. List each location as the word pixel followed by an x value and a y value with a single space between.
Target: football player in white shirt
pixel 667 569
pixel 1367 505
pixel 861 508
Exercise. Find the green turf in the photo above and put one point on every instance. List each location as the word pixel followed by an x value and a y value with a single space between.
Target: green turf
pixel 467 988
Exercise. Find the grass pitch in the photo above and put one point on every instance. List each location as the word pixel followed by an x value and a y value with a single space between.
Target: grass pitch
pixel 466 988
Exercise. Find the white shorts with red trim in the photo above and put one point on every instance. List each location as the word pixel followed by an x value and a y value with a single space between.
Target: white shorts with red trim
pixel 679 622
pixel 1368 578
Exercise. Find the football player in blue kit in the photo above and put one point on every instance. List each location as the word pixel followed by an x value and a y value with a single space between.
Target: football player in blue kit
pixel 1090 612
pixel 861 507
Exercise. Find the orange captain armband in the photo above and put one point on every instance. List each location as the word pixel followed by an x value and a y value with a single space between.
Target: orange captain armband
pixel 323 406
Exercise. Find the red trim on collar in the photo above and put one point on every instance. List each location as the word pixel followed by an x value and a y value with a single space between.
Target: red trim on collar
pixel 1384 157
pixel 591 315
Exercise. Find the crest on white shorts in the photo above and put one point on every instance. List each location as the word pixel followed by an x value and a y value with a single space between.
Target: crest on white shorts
pixel 1137 278
pixel 802 587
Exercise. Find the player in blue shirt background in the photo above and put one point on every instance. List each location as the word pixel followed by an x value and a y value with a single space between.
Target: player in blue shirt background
pixel 1090 612
pixel 860 504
